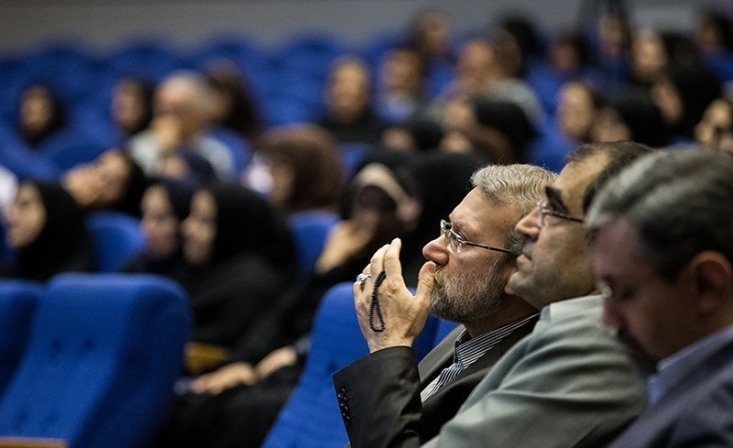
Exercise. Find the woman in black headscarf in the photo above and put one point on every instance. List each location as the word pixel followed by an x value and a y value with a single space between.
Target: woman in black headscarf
pixel 40 115
pixel 682 95
pixel 165 204
pixel 46 228
pixel 240 257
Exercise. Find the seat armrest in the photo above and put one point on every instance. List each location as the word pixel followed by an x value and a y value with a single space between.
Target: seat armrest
pixel 31 442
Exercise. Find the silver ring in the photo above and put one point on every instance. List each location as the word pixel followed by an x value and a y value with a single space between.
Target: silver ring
pixel 361 278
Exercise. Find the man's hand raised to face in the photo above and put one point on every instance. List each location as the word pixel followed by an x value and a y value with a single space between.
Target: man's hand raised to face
pixel 403 314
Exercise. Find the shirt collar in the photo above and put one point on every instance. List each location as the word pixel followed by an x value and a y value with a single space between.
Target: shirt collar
pixel 672 369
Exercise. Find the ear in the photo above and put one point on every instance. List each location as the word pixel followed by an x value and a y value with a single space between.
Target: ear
pixel 713 281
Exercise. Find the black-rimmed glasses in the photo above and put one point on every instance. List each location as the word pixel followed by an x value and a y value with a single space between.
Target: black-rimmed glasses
pixel 545 211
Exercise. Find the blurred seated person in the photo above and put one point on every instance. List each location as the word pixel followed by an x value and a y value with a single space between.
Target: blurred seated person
pixel 297 168
pixel 489 68
pixel 498 131
pixel 576 109
pixel 633 118
pixel 239 256
pixel 165 204
pixel 682 94
pixel 401 85
pixel 46 229
pixel 41 115
pixel 233 101
pixel 349 113
pixel 264 367
pixel 112 181
pixel 132 106
pixel 715 129
pixel 417 135
pixel 180 123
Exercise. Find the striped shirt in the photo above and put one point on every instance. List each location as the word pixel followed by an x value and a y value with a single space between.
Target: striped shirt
pixel 467 351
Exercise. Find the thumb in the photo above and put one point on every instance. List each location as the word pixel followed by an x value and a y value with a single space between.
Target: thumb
pixel 425 281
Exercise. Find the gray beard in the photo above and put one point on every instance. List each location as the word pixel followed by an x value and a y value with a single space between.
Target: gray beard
pixel 468 298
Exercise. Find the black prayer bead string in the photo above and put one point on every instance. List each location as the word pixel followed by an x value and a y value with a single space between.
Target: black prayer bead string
pixel 375 306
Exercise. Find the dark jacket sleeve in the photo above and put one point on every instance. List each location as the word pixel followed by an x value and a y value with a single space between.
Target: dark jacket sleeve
pixel 384 411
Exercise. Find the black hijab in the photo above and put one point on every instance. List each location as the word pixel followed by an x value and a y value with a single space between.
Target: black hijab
pixel 64 243
pixel 247 224
pixel 697 87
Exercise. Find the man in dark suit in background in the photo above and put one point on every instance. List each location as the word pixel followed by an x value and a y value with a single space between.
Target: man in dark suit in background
pixel 386 396
pixel 663 251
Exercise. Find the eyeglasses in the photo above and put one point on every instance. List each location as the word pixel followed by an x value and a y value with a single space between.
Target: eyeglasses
pixel 546 210
pixel 455 241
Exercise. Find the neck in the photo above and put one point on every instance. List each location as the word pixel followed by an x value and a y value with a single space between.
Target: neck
pixel 516 310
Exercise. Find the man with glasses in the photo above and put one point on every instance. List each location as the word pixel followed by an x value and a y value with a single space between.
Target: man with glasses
pixel 569 382
pixel 386 396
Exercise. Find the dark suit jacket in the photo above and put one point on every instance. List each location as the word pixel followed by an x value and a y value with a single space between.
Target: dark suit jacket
pixel 697 412
pixel 379 394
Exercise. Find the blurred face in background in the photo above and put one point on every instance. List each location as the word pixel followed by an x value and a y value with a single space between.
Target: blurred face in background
pixel 348 91
pixel 648 57
pixel 159 223
pixel 199 229
pixel 36 109
pixel 718 117
pixel 608 126
pixel 401 72
pixel 128 105
pixel 25 217
pixel 575 111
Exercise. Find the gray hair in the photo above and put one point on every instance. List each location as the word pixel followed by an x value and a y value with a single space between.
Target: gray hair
pixel 513 184
pixel 679 201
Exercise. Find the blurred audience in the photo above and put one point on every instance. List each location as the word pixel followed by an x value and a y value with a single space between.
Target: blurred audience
pixel 132 106
pixel 41 114
pixel 112 181
pixel 233 101
pixel 180 124
pixel 350 116
pixel 239 258
pixel 46 229
pixel 165 204
pixel 298 168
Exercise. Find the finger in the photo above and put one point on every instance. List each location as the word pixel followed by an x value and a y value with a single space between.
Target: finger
pixel 376 265
pixel 425 282
pixel 392 265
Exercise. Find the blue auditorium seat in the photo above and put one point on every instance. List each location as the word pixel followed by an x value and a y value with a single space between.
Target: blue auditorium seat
pixel 18 301
pixel 152 59
pixel 69 68
pixel 101 361
pixel 116 237
pixel 310 230
pixel 312 418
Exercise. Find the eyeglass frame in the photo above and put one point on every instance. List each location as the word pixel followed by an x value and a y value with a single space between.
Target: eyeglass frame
pixel 545 211
pixel 446 229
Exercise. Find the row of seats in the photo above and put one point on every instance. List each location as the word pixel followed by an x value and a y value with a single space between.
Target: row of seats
pixel 91 359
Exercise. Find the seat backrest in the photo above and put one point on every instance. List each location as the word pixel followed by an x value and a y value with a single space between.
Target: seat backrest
pixel 101 361
pixel 310 230
pixel 18 300
pixel 312 418
pixel 116 237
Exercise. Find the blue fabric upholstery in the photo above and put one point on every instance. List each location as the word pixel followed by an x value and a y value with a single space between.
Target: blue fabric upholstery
pixel 116 237
pixel 311 418
pixel 310 230
pixel 100 365
pixel 18 300
pixel 442 329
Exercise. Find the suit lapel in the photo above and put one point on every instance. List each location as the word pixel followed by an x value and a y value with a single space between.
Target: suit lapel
pixel 439 358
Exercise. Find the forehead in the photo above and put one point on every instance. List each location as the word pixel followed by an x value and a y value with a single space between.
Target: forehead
pixel 575 178
pixel 480 216
pixel 616 251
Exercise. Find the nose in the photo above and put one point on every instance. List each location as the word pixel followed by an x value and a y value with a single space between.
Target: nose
pixel 527 226
pixel 436 251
